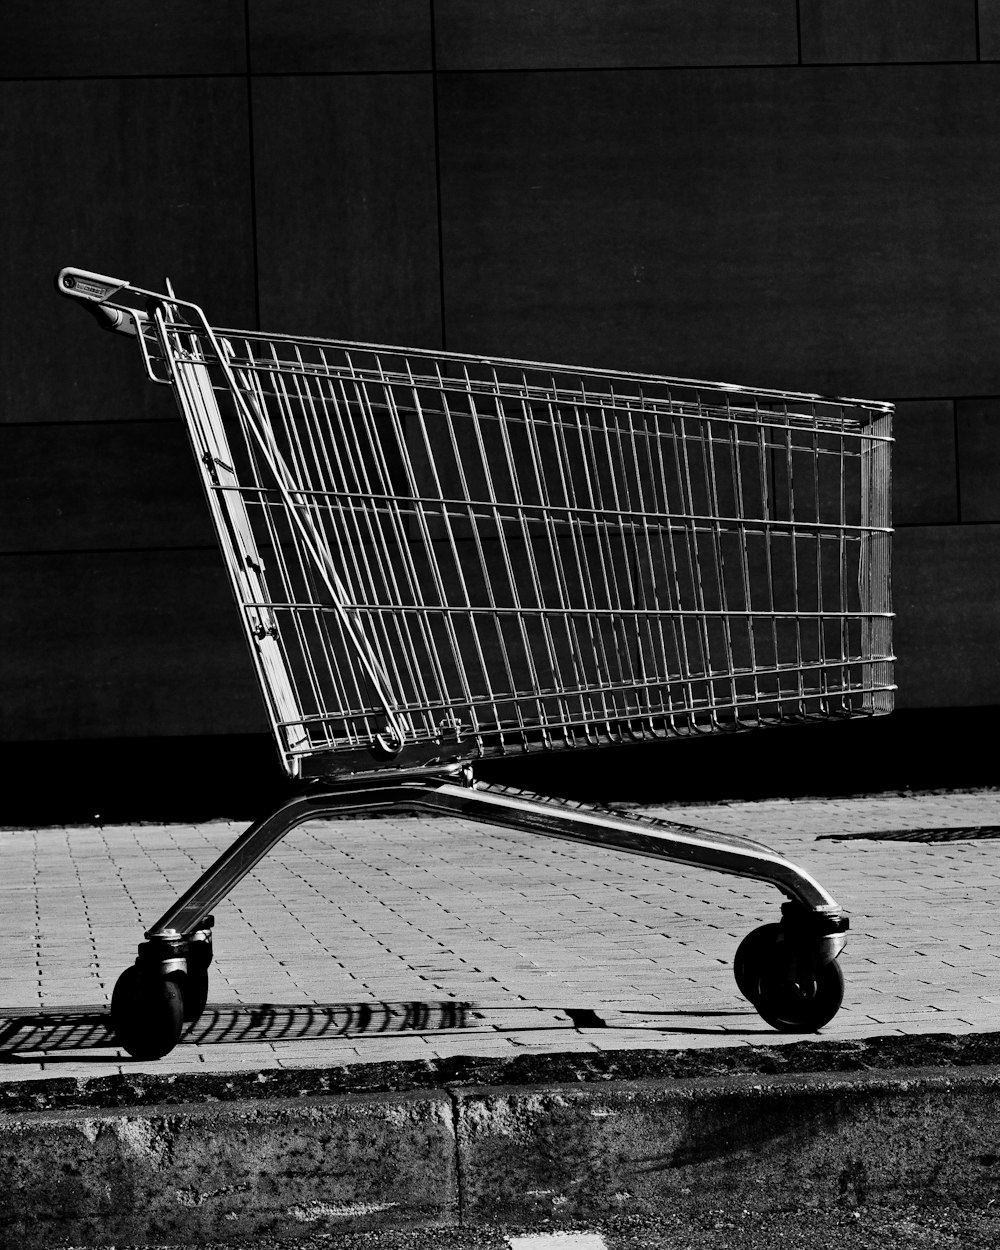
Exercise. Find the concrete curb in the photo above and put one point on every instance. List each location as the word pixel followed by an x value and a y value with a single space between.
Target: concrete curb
pixel 172 1087
pixel 205 1172
pixel 473 1154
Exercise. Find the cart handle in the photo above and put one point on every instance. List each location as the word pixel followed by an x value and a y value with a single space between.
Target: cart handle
pixel 95 289
pixel 82 284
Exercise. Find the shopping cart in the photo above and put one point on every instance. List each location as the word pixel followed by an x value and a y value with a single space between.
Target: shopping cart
pixel 441 559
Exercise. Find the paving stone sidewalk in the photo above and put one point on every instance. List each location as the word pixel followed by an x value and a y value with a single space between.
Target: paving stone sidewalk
pixel 420 938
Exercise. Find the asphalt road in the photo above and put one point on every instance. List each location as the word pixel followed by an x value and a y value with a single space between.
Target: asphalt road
pixel 861 1228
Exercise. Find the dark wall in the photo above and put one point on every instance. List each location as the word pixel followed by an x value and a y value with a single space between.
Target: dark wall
pixel 794 194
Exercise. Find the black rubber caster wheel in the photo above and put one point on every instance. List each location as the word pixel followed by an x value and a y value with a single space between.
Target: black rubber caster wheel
pixel 752 954
pixel 194 987
pixel 147 1012
pixel 790 992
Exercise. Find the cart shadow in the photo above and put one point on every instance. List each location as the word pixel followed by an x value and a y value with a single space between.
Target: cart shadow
pixel 80 1029
pixel 70 1032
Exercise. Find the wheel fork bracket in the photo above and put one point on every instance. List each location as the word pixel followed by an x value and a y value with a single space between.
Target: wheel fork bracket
pixel 822 933
pixel 169 951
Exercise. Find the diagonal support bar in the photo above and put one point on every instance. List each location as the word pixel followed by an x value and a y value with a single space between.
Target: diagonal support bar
pixel 665 840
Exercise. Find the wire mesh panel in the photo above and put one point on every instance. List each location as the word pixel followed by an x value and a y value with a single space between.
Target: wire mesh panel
pixel 474 556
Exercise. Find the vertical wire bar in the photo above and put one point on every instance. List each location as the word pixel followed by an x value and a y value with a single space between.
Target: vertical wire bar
pixel 649 669
pixel 563 607
pixel 575 538
pixel 529 551
pixel 531 559
pixel 866 581
pixel 246 392
pixel 627 525
pixel 416 623
pixel 339 462
pixel 708 559
pixel 822 676
pixel 768 494
pixel 415 640
pixel 339 502
pixel 630 630
pixel 300 553
pixel 602 594
pixel 842 554
pixel 196 393
pixel 643 624
pixel 883 521
pixel 328 415
pixel 876 519
pixel 693 554
pixel 451 424
pixel 794 540
pixel 666 436
pixel 252 453
pixel 582 625
pixel 715 510
pixel 316 615
pixel 668 551
pixel 603 452
pixel 494 503
pixel 595 594
pixel 743 548
pixel 426 608
pixel 337 525
pixel 680 549
pixel 448 622
pixel 558 608
pixel 517 610
pixel 535 695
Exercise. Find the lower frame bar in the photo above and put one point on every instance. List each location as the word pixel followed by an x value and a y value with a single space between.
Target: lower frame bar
pixel 658 839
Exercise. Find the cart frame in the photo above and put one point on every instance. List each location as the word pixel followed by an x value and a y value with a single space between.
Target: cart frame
pixel 653 645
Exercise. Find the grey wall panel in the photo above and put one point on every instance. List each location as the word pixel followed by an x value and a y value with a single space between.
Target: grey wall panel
pixel 83 486
pixel 924 487
pixel 978 427
pixel 836 230
pixel 892 30
pixel 313 36
pixel 551 34
pixel 347 207
pixel 122 644
pixel 989 30
pixel 62 39
pixel 946 586
pixel 137 178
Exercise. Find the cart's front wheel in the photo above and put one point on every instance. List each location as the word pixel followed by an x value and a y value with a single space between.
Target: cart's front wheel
pixel 791 991
pixel 195 992
pixel 147 1011
pixel 195 984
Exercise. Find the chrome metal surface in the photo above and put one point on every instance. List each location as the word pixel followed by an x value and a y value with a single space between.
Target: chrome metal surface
pixel 666 840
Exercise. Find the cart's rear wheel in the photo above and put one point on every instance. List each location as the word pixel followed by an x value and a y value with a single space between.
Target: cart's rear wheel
pixel 147 1011
pixel 752 954
pixel 791 992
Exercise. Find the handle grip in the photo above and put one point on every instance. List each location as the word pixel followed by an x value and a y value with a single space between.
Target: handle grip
pixel 94 289
pixel 82 284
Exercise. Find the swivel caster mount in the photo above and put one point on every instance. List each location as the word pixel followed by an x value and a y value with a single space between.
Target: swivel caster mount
pixel 789 971
pixel 164 990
